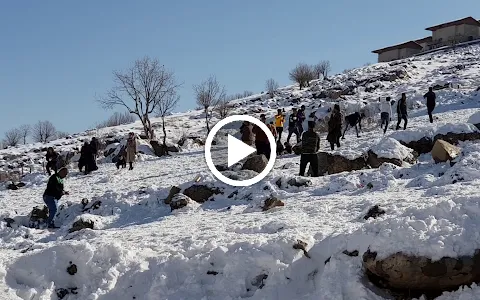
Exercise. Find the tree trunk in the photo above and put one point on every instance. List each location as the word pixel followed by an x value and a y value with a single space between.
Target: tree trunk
pixel 206 120
pixel 164 136
pixel 146 125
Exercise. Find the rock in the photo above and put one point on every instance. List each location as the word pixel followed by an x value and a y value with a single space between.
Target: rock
pixel 299 182
pixel 339 164
pixel 158 148
pixel 288 148
pixel 301 245
pixel 9 221
pixel 174 148
pixel 420 274
pixel 443 151
pixel 374 212
pixel 239 175
pixel 62 292
pixel 108 152
pixel 454 138
pixel 422 146
pixel 323 158
pixel 255 163
pixel 38 215
pixel 297 149
pixel 375 162
pixel 179 201
pixel 353 253
pixel 259 281
pixel 81 224
pixel 221 168
pixel 95 205
pixel 173 191
pixel 12 186
pixel 201 193
pixel 72 269
pixel 212 273
pixel 271 203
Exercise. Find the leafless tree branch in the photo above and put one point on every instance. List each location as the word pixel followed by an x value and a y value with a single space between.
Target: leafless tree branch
pixel 209 93
pixel 12 137
pixel 272 87
pixel 302 74
pixel 43 131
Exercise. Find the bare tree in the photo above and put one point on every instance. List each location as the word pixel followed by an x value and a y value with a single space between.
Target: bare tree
pixel 12 137
pixel 318 70
pixel 325 68
pixel 140 89
pixel 246 94
pixel 61 134
pixel 117 119
pixel 302 74
pixel 209 93
pixel 43 131
pixel 164 108
pixel 25 131
pixel 224 107
pixel 272 87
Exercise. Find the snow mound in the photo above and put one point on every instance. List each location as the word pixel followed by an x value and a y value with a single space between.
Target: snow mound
pixel 457 128
pixel 391 148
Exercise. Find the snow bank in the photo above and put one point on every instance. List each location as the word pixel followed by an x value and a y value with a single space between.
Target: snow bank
pixel 457 128
pixel 449 229
pixel 391 148
pixel 411 135
pixel 475 118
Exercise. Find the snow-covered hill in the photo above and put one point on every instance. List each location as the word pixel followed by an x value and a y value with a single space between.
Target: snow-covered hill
pixel 230 248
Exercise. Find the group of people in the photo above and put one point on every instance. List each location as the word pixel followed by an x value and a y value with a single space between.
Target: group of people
pixel 88 161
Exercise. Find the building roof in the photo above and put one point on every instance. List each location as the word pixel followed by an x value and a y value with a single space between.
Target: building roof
pixel 427 39
pixel 467 20
pixel 408 45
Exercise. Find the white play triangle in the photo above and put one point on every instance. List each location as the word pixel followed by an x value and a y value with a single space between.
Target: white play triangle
pixel 237 150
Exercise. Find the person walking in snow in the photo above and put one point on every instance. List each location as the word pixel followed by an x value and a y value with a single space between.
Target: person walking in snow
pixel 385 113
pixel 292 126
pixel 82 161
pixel 335 127
pixel 310 147
pixel 53 193
pixel 131 150
pixel 246 130
pixel 52 158
pixel 261 139
pixel 402 112
pixel 300 119
pixel 272 129
pixel 279 123
pixel 431 97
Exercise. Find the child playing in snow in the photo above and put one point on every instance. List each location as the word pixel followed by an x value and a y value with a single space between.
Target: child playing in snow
pixel 53 193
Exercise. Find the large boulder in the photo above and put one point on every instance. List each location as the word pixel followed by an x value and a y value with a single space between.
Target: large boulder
pixel 339 164
pixel 420 274
pixel 443 151
pixel 201 193
pixel 375 161
pixel 255 163
pixel 271 203
pixel 454 133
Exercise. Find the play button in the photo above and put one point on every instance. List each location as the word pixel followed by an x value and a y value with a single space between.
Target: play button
pixel 237 150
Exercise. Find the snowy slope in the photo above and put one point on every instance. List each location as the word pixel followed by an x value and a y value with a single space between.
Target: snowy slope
pixel 229 248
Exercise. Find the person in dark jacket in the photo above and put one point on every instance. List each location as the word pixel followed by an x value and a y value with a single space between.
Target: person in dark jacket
pixel 310 146
pixel 83 153
pixel 402 112
pixel 261 140
pixel 300 119
pixel 52 158
pixel 335 127
pixel 89 161
pixel 431 97
pixel 94 144
pixel 246 131
pixel 53 193
pixel 353 120
pixel 121 162
pixel 292 126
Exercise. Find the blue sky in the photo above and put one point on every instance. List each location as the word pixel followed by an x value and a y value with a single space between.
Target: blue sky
pixel 57 55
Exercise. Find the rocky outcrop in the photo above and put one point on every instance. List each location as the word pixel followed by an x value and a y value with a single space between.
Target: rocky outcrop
pixel 255 163
pixel 443 151
pixel 374 212
pixel 161 150
pixel 421 274
pixel 201 193
pixel 454 138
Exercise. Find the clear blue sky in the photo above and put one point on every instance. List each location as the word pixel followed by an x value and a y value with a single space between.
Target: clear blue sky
pixel 57 55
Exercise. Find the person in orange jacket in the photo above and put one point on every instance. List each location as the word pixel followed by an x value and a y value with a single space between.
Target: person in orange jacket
pixel 279 123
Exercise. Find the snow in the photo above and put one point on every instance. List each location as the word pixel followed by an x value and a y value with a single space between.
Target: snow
pixel 475 118
pixel 139 248
pixel 391 148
